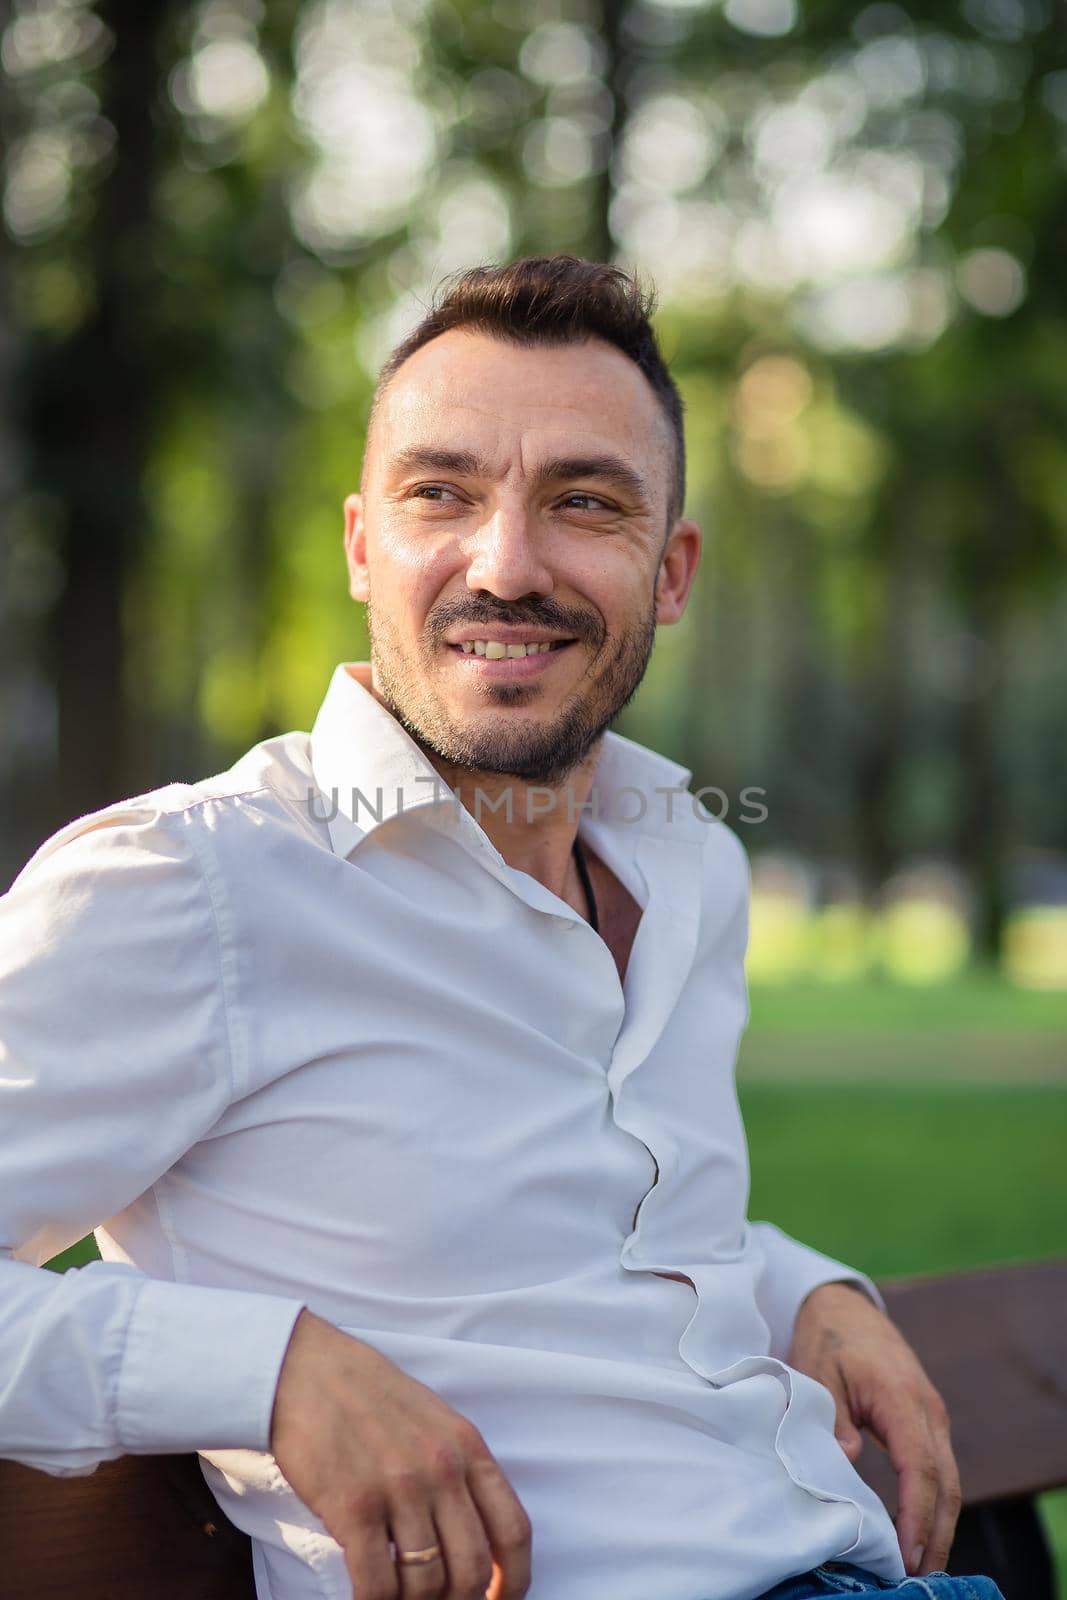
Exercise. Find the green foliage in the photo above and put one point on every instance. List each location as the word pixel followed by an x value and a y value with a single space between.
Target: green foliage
pixel 221 218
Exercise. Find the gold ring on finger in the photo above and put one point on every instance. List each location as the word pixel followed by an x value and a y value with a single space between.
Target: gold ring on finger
pixel 417 1558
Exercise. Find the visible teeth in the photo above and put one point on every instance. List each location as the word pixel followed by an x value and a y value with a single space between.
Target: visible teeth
pixel 496 651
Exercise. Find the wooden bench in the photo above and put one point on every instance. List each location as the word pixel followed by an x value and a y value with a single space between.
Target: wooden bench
pixel 994 1342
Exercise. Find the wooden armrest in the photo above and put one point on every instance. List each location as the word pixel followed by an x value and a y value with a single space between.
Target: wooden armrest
pixel 139 1528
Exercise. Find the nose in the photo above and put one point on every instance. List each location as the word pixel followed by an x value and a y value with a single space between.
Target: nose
pixel 507 557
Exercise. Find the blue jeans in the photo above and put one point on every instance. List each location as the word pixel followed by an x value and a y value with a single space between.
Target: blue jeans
pixel 840 1577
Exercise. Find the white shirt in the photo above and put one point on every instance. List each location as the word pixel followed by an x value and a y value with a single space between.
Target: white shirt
pixel 278 1052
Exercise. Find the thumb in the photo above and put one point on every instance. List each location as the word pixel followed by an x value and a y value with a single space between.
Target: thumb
pixel 850 1440
pixel 846 1433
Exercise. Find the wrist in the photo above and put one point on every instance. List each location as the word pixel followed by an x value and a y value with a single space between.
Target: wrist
pixel 834 1289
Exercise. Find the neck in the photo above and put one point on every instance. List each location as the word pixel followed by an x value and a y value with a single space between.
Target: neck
pixel 533 826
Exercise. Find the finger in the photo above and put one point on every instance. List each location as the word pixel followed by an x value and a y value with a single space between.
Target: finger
pixel 412 1528
pixel 368 1558
pixel 468 1557
pixel 946 1514
pixel 913 1456
pixel 852 1444
pixel 506 1524
pixel 846 1433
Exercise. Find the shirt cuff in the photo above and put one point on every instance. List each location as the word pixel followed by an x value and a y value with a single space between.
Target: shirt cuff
pixel 200 1368
pixel 860 1281
pixel 791 1271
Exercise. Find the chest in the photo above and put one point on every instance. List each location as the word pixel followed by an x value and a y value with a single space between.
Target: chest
pixel 464 1099
pixel 619 914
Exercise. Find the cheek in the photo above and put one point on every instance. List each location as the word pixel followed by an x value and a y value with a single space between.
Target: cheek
pixel 413 553
pixel 408 574
pixel 613 581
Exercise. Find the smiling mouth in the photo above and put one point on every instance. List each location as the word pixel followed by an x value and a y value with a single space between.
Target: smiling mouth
pixel 497 650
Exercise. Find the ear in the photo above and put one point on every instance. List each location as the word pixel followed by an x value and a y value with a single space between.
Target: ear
pixel 677 569
pixel 356 547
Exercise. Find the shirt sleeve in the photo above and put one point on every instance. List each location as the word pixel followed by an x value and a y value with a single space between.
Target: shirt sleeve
pixel 115 1058
pixel 791 1270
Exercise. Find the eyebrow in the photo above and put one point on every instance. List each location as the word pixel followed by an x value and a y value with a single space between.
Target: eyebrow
pixel 609 468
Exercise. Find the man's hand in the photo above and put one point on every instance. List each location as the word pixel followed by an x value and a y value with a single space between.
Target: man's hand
pixel 377 1456
pixel 841 1338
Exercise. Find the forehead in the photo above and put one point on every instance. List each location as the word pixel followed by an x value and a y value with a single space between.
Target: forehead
pixel 506 396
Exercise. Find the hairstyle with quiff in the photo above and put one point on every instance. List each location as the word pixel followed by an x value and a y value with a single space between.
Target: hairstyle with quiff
pixel 554 300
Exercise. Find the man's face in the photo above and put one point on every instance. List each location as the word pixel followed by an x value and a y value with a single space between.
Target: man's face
pixel 515 495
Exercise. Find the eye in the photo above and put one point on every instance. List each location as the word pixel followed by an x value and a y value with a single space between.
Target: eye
pixel 581 494
pixel 436 490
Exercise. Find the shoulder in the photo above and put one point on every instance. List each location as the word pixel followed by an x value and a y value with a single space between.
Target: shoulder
pixel 183 824
pixel 725 855
pixel 727 888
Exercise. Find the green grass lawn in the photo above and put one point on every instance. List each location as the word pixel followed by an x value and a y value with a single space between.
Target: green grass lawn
pixel 980 1000
pixel 899 1178
pixel 978 1029
pixel 907 1130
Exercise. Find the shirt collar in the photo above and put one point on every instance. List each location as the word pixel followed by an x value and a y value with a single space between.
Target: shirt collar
pixel 368 770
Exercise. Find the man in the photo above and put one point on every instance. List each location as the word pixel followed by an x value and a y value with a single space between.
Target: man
pixel 394 1068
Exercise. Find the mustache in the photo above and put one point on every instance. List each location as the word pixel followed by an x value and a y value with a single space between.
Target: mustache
pixel 534 614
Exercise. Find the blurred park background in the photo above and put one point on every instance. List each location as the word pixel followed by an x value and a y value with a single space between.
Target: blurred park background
pixel 220 216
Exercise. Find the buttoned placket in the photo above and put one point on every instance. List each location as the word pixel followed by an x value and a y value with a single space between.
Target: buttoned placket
pixel 658 968
pixel 666 939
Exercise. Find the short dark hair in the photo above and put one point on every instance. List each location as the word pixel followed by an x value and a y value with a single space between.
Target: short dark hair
pixel 552 300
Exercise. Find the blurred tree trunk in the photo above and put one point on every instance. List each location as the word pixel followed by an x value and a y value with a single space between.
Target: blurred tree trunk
pixel 92 402
pixel 600 243
pixel 883 739
pixel 986 559
pixel 17 788
pixel 26 732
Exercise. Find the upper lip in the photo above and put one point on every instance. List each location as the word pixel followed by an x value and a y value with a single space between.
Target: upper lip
pixel 506 635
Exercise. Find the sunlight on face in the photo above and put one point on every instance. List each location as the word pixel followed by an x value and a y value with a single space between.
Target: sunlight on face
pixel 522 492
